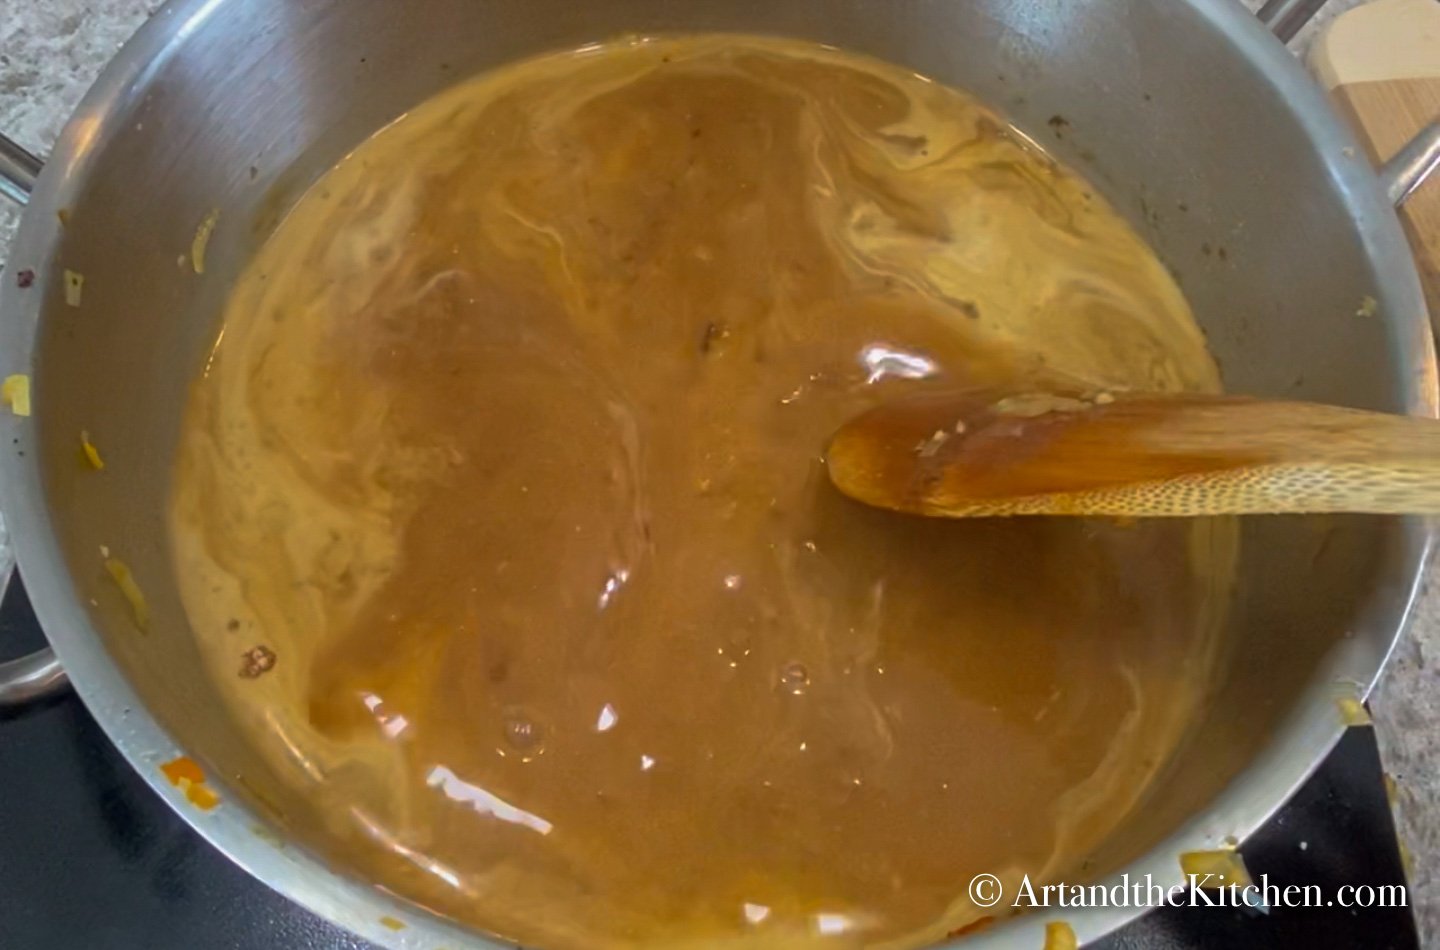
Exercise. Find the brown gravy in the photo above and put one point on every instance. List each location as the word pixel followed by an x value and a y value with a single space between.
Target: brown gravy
pixel 510 453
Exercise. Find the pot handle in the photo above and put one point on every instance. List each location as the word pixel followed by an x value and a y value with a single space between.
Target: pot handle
pixel 1285 18
pixel 40 673
pixel 18 171
pixel 1414 163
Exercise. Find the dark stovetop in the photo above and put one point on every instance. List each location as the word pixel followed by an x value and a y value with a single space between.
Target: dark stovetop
pixel 90 859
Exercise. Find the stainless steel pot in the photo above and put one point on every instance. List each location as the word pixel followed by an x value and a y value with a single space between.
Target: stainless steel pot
pixel 1187 114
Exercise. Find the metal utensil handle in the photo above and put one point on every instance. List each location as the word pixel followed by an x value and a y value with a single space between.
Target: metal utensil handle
pixel 40 673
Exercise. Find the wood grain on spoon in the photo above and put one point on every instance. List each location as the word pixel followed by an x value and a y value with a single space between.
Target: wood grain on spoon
pixel 977 454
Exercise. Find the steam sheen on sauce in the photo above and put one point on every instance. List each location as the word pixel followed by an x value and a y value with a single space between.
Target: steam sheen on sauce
pixel 509 458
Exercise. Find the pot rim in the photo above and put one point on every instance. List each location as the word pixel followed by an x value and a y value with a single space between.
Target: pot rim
pixel 1300 743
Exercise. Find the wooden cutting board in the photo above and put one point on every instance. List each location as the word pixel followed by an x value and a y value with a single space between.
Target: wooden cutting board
pixel 1381 65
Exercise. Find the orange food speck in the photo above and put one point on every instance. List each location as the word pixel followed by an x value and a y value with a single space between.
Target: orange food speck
pixel 185 774
pixel 202 797
pixel 392 923
pixel 183 768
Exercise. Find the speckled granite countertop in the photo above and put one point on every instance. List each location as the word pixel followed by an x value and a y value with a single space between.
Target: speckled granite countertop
pixel 51 50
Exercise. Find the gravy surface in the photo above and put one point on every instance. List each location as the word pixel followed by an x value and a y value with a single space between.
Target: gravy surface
pixel 509 455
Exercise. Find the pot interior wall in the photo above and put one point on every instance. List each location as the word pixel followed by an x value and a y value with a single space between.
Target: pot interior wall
pixel 1168 118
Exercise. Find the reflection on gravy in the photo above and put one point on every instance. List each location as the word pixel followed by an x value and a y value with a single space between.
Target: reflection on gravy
pixel 510 457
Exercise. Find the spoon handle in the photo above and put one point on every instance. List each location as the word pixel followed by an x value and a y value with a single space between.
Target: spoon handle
pixel 1143 456
pixel 1239 456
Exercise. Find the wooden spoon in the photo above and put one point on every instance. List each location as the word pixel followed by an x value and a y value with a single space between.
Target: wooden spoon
pixel 976 454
